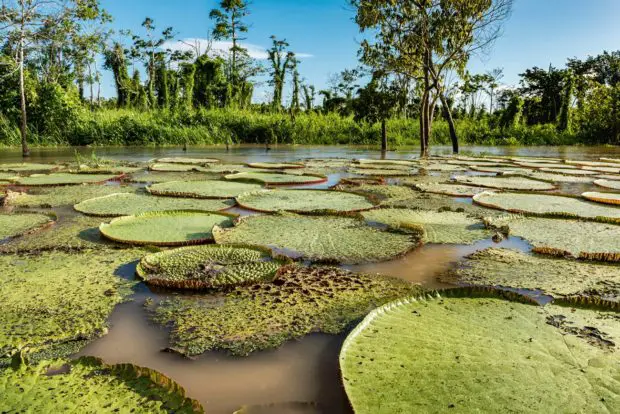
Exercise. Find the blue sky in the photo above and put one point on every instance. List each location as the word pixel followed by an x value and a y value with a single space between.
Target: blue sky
pixel 538 33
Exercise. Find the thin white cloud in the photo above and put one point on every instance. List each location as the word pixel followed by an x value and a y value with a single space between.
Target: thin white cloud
pixel 221 48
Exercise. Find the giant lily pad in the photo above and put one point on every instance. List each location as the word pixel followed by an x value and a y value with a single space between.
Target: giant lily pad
pixel 172 167
pixel 187 160
pixel 454 190
pixel 276 179
pixel 162 177
pixel 202 189
pixel 383 172
pixel 207 267
pixel 6 178
pixel 548 205
pixel 605 198
pixel 60 196
pixel 167 228
pixel 298 302
pixel 303 201
pixel 568 171
pixel 64 179
pixel 505 183
pixel 275 165
pixel 558 178
pixel 115 205
pixel 610 170
pixel 334 239
pixel 90 385
pixel 367 161
pixel 439 227
pixel 12 225
pixel 28 167
pixel 482 354
pixel 611 184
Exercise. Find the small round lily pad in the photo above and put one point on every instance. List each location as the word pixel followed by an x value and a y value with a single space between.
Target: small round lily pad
pixel 505 183
pixel 605 198
pixel 65 179
pixel 276 179
pixel 303 201
pixel 12 225
pixel 215 189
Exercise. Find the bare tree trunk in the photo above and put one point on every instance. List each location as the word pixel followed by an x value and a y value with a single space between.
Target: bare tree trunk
pixel 447 113
pixel 423 105
pixel 383 135
pixel 22 93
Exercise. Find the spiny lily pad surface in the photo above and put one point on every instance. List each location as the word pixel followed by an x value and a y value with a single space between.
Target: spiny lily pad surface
pixel 482 354
pixel 167 228
pixel 27 168
pixel 331 239
pixel 505 183
pixel 303 201
pixel 301 300
pixel 12 225
pixel 207 267
pixel 611 184
pixel 188 160
pixel 548 205
pixel 60 196
pixel 439 227
pixel 115 205
pixel 202 189
pixel 450 189
pixel 88 385
pixel 64 179
pixel 556 277
pixel 275 178
pixel 605 198
pixel 275 165
pixel 585 240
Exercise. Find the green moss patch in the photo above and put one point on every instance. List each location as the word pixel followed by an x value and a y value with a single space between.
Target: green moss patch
pixel 605 198
pixel 90 385
pixel 482 354
pixel 275 165
pixel 454 190
pixel 276 179
pixel 439 227
pixel 168 228
pixel 299 301
pixel 304 201
pixel 60 196
pixel 115 205
pixel 504 183
pixel 202 189
pixel 12 225
pixel 611 184
pixel 64 179
pixel 327 239
pixel 28 167
pixel 187 160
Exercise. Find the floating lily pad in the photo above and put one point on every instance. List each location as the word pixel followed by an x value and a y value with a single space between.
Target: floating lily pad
pixel 383 172
pixel 568 171
pixel 400 167
pixel 613 160
pixel 298 302
pixel 12 225
pixel 605 198
pixel 104 169
pixel 331 239
pixel 28 168
pixel 303 201
pixel 64 179
pixel 90 385
pixel 548 205
pixel 115 205
pixel 162 177
pixel 439 227
pixel 504 183
pixel 586 164
pixel 610 170
pixel 276 179
pixel 275 165
pixel 610 177
pixel 187 160
pixel 387 162
pixel 546 165
pixel 501 170
pixel 482 354
pixel 207 267
pixel 611 184
pixel 559 178
pixel 60 196
pixel 6 178
pixel 172 167
pixel 450 189
pixel 202 189
pixel 441 167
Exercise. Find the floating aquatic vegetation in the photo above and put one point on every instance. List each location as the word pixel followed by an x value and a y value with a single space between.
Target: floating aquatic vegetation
pixel 165 228
pixel 605 198
pixel 568 171
pixel 172 167
pixel 115 205
pixel 229 168
pixel 548 205
pixel 611 160
pixel 449 189
pixel 504 183
pixel 552 276
pixel 28 167
pixel 187 160
pixel 586 164
pixel 89 385
pixel 275 165
pixel 545 161
pixel 304 201
pixel 207 267
pixel 409 163
pixel 12 225
pixel 441 167
pixel 498 170
pixel 58 297
pixel 610 170
pixel 482 354
pixel 584 240
pixel 547 166
pixel 104 169
pixel 382 172
pixel 64 179
pixel 60 196
pixel 400 167
pixel 300 300
pixel 322 238
pixel 202 189
pixel 273 178
pixel 438 227
pixel 614 185
pixel 558 178
pixel 610 177
pixel 6 178
pixel 162 177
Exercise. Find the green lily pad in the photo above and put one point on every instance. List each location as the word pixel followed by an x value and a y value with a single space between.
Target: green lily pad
pixel 323 238
pixel 548 205
pixel 504 183
pixel 165 228
pixel 187 160
pixel 276 179
pixel 202 189
pixel 60 196
pixel 441 167
pixel 90 385
pixel 162 177
pixel 558 178
pixel 207 267
pixel 454 190
pixel 275 165
pixel 586 164
pixel 611 184
pixel 608 170
pixel 611 177
pixel 568 171
pixel 439 227
pixel 172 167
pixel 6 178
pixel 547 165
pixel 386 162
pixel 605 198
pixel 28 167
pixel 64 179
pixel 612 160
pixel 501 170
pixel 383 172
pixel 115 205
pixel 12 225
pixel 301 300
pixel 303 201
pixel 481 354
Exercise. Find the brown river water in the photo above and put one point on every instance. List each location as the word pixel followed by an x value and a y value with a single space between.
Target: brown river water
pixel 302 376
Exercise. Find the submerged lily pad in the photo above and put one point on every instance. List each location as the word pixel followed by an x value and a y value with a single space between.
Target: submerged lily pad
pixel 90 385
pixel 187 160
pixel 202 189
pixel 276 179
pixel 482 354
pixel 505 183
pixel 324 238
pixel 12 225
pixel 207 267
pixel 275 165
pixel 611 184
pixel 28 167
pixel 556 277
pixel 439 227
pixel 300 300
pixel 449 189
pixel 60 196
pixel 166 228
pixel 548 205
pixel 64 179
pixel 605 198
pixel 115 205
pixel 303 201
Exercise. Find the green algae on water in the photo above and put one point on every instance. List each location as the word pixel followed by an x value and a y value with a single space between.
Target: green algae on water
pixel 12 225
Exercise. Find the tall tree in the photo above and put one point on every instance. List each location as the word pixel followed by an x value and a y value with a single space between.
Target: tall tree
pixel 281 62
